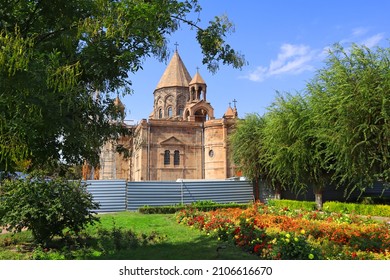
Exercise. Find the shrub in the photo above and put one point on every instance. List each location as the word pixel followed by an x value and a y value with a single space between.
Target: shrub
pixel 46 207
pixel 292 204
pixel 201 206
pixel 358 209
pixel 292 246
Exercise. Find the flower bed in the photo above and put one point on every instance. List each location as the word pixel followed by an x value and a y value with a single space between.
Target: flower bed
pixel 285 234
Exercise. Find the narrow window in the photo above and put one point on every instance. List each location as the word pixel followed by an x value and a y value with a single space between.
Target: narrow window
pixel 170 112
pixel 167 159
pixel 180 112
pixel 160 113
pixel 176 158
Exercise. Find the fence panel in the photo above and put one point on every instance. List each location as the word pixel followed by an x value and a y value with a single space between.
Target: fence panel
pixel 152 193
pixel 111 194
pixel 119 195
pixel 218 191
pixel 170 193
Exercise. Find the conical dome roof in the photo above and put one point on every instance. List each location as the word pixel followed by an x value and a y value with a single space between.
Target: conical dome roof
pixel 119 105
pixel 197 79
pixel 175 75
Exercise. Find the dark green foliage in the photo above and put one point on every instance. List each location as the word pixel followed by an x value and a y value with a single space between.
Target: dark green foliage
pixel 334 133
pixel 48 208
pixel 351 114
pixel 61 62
pixel 247 147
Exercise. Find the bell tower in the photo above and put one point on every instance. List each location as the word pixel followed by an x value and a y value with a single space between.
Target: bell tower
pixel 197 108
pixel 197 88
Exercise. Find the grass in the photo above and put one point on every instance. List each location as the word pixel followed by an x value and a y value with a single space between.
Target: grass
pixel 173 242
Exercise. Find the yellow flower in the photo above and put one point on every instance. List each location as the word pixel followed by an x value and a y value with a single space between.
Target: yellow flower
pixel 288 235
pixel 295 239
pixel 303 231
pixel 311 256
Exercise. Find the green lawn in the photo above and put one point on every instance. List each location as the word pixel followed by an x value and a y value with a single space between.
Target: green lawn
pixel 177 242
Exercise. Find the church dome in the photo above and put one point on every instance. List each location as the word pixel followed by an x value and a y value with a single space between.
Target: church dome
pixel 175 75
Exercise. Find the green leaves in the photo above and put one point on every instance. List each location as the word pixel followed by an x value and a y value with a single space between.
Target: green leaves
pixel 55 56
pixel 15 51
pixel 214 47
pixel 338 132
pixel 348 99
pixel 246 146
pixel 47 208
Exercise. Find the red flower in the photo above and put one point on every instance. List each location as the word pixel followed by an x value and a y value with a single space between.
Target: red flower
pixel 257 248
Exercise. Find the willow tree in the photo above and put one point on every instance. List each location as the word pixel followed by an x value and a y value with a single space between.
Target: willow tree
pixel 56 55
pixel 351 105
pixel 291 151
pixel 246 147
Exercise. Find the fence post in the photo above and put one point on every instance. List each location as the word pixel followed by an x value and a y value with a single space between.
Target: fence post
pixel 182 192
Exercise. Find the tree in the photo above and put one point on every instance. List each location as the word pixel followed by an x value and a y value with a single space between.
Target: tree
pixel 292 153
pixel 247 151
pixel 60 62
pixel 351 106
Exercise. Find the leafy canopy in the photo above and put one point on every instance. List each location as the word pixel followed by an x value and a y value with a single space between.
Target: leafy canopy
pixel 337 132
pixel 61 61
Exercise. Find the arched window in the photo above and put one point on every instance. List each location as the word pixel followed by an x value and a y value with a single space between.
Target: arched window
pixel 176 158
pixel 167 157
pixel 180 112
pixel 192 93
pixel 199 93
pixel 160 113
pixel 169 112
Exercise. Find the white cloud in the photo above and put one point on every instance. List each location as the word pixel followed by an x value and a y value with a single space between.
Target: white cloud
pixel 373 40
pixel 361 36
pixel 360 31
pixel 258 75
pixel 292 59
pixel 295 59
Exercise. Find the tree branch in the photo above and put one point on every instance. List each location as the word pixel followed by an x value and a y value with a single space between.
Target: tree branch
pixel 190 23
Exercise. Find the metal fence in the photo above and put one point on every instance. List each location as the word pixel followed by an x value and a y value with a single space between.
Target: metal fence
pixel 111 194
pixel 119 195
pixel 170 193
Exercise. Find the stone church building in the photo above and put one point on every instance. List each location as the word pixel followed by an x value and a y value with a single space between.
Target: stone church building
pixel 181 139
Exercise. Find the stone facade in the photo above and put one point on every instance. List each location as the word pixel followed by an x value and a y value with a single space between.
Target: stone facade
pixel 181 138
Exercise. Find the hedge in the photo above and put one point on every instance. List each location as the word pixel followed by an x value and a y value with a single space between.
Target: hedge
pixel 175 208
pixel 292 204
pixel 359 209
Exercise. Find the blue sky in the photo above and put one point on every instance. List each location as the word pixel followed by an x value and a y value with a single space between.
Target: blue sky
pixel 284 42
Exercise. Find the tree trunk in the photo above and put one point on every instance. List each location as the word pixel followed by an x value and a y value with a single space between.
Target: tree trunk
pixel 318 198
pixel 278 193
pixel 256 193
